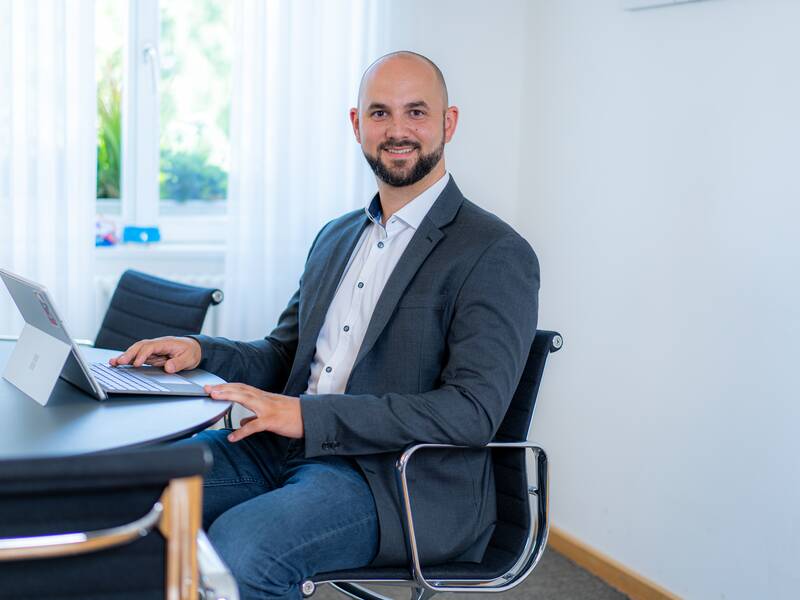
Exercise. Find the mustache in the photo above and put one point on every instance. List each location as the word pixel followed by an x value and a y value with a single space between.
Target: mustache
pixel 395 143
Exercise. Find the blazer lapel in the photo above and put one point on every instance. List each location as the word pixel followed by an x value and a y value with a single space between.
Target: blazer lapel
pixel 421 245
pixel 320 301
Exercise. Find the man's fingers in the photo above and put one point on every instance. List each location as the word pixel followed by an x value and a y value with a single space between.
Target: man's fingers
pixel 156 348
pixel 273 412
pixel 235 392
pixel 142 355
pixel 173 354
pixel 125 357
pixel 248 429
pixel 176 363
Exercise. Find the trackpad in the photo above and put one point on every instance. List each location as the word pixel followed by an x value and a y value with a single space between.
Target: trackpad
pixel 167 378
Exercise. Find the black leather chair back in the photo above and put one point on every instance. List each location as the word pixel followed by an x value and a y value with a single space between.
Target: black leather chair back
pixel 513 516
pixel 517 420
pixel 48 496
pixel 145 306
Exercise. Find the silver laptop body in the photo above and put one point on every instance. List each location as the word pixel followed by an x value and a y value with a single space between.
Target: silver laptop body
pixel 97 379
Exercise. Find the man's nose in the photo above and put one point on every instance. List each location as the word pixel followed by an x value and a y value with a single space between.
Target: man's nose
pixel 396 128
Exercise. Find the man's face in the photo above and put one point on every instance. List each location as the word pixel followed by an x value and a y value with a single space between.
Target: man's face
pixel 402 122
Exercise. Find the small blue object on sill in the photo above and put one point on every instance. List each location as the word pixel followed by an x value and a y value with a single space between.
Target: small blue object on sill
pixel 140 235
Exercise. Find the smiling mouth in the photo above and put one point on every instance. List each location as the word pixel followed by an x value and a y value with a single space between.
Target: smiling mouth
pixel 400 151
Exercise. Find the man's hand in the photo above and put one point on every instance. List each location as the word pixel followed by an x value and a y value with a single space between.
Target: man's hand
pixel 173 353
pixel 274 412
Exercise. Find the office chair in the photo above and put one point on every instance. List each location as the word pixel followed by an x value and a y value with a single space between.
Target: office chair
pixel 145 306
pixel 110 526
pixel 522 525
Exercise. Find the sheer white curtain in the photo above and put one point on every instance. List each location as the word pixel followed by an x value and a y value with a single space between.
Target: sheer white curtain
pixel 294 161
pixel 47 153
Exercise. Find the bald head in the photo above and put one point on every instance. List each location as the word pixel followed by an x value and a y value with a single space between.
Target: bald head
pixel 403 122
pixel 400 62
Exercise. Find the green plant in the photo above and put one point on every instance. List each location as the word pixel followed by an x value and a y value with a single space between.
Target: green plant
pixel 109 129
pixel 189 176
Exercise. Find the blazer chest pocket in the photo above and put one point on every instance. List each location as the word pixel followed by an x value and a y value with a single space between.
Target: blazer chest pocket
pixel 430 301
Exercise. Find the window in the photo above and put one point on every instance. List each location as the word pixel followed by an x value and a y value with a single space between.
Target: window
pixel 163 91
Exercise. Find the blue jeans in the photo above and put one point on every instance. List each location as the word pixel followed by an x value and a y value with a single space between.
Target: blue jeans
pixel 277 518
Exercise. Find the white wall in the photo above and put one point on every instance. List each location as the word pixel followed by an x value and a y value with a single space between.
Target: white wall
pixel 661 191
pixel 468 40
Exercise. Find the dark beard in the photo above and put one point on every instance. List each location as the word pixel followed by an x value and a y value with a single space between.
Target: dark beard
pixel 423 166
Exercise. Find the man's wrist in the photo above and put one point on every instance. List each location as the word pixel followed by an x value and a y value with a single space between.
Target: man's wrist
pixel 198 349
pixel 202 347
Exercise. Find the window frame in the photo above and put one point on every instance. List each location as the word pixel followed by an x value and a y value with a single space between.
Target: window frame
pixel 192 221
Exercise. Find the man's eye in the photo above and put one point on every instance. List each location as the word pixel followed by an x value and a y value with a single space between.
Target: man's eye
pixel 379 113
pixel 417 113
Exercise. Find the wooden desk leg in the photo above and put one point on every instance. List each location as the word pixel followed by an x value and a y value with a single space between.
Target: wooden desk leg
pixel 183 502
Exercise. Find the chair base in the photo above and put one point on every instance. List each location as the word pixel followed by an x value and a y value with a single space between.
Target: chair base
pixel 360 592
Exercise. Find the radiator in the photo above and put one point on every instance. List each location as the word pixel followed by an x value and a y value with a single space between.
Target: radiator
pixel 105 286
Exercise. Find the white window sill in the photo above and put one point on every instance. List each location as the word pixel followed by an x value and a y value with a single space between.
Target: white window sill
pixel 198 264
pixel 161 251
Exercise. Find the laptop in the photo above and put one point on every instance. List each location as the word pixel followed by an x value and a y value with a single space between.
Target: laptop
pixel 47 336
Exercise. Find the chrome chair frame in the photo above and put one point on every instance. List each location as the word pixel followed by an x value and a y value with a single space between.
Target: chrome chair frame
pixel 422 587
pixel 216 581
pixel 192 569
pixel 537 536
pixel 69 544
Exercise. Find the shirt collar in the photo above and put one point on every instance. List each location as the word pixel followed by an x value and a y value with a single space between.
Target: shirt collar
pixel 413 212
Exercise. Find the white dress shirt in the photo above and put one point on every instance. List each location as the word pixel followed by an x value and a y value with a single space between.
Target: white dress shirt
pixel 372 262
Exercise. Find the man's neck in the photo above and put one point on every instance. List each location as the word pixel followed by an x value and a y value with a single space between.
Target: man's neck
pixel 394 198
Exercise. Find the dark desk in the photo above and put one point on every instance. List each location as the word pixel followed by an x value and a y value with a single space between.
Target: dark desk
pixel 75 423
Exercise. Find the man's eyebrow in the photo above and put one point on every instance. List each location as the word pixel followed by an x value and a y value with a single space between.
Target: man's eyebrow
pixel 408 106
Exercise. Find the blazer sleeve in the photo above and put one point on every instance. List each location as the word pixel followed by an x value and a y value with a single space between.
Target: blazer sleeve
pixel 266 363
pixel 488 342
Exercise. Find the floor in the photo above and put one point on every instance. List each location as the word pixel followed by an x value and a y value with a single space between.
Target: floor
pixel 555 578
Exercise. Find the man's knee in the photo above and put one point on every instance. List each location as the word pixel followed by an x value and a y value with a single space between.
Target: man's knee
pixel 259 567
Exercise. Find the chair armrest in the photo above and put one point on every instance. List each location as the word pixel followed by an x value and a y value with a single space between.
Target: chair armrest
pixel 68 544
pixel 216 581
pixel 536 543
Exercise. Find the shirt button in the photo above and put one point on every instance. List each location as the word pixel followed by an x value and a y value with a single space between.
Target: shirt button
pixel 380 244
pixel 328 369
pixel 347 327
pixel 360 284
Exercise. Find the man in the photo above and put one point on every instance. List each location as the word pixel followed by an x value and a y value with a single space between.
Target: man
pixel 412 323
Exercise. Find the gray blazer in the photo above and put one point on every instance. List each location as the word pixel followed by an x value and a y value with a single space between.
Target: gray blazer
pixel 440 361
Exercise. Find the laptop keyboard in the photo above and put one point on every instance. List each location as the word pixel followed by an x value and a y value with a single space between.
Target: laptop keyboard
pixel 115 378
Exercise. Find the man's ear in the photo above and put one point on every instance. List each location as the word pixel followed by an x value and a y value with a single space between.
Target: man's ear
pixel 450 123
pixel 354 123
